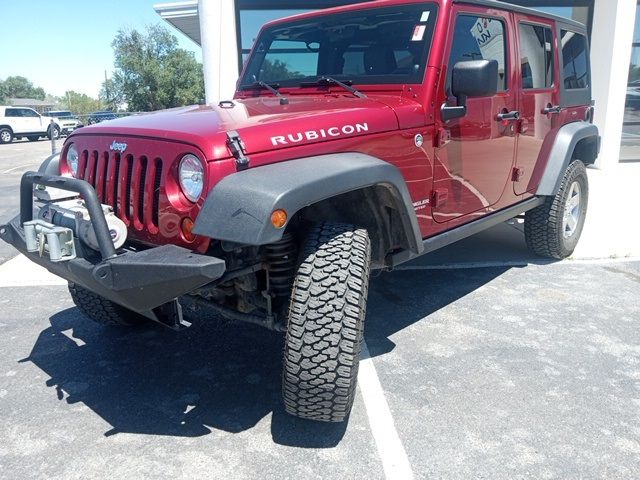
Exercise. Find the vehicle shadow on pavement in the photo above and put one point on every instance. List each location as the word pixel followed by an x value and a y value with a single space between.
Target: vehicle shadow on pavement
pixel 401 298
pixel 218 375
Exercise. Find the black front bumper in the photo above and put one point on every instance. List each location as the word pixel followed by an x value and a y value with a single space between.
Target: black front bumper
pixel 139 280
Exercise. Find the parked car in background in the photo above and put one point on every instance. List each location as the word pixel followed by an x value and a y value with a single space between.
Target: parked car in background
pixel 67 122
pixel 101 116
pixel 22 122
pixel 633 95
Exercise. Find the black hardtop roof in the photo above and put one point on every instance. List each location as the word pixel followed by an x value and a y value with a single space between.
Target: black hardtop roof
pixel 581 28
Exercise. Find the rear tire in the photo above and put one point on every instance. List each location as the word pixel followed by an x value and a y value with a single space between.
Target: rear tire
pixel 553 229
pixel 103 311
pixel 6 135
pixel 326 323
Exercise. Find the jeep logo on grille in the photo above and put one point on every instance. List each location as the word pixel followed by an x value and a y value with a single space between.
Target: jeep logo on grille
pixel 118 147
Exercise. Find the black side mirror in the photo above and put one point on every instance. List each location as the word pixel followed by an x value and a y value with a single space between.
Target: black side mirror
pixel 473 78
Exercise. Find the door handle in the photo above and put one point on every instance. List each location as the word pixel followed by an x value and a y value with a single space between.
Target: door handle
pixel 508 116
pixel 551 110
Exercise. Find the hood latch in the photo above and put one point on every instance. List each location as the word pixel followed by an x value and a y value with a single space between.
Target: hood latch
pixel 238 150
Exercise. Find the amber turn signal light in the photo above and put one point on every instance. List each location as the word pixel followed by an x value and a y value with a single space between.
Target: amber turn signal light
pixel 187 229
pixel 279 218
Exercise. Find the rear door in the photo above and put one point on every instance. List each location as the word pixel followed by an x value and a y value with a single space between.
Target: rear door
pixel 475 154
pixel 538 95
pixel 16 119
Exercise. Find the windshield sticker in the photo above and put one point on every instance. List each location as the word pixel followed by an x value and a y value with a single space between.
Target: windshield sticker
pixel 418 33
pixel 425 17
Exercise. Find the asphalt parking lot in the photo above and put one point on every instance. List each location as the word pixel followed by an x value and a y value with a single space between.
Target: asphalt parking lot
pixel 481 362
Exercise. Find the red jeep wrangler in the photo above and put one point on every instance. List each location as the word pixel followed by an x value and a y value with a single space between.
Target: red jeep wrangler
pixel 359 138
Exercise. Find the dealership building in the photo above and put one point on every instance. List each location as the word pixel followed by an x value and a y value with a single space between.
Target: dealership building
pixel 226 29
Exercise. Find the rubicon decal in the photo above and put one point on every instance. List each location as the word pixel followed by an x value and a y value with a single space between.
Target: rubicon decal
pixel 309 135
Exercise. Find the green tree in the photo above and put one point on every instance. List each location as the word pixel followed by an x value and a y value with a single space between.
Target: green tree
pixel 152 73
pixel 19 87
pixel 79 103
pixel 111 96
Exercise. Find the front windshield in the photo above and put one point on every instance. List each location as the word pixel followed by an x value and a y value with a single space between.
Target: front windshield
pixel 387 45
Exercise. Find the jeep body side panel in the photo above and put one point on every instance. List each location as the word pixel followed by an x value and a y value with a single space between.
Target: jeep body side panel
pixel 239 208
pixel 562 151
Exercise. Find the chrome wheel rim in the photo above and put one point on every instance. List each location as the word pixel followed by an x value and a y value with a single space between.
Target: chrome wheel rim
pixel 572 211
pixel 6 136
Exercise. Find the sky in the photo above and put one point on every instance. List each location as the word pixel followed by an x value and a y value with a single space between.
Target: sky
pixel 65 45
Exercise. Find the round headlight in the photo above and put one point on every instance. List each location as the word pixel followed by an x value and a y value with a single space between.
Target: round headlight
pixel 73 159
pixel 191 173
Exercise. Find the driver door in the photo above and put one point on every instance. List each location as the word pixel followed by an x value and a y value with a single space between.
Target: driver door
pixel 475 154
pixel 33 121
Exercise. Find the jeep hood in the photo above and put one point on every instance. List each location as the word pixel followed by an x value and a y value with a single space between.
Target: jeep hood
pixel 262 123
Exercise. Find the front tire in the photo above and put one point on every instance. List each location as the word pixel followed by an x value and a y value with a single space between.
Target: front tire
pixel 53 133
pixel 326 323
pixel 101 310
pixel 553 229
pixel 6 135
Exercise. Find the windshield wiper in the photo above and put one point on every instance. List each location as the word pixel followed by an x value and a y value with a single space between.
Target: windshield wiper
pixel 272 88
pixel 333 81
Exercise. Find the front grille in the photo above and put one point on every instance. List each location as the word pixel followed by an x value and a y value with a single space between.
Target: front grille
pixel 121 182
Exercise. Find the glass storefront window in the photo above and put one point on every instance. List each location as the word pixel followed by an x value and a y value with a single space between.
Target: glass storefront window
pixel 251 21
pixel 579 14
pixel 630 149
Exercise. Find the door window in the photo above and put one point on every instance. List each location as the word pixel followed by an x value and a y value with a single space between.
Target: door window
pixel 575 72
pixel 536 56
pixel 13 112
pixel 27 112
pixel 480 38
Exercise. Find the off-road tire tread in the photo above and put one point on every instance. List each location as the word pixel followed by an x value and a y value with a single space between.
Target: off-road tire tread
pixel 543 224
pixel 101 310
pixel 326 323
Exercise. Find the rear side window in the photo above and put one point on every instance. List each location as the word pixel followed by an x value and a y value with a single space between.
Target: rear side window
pixel 536 56
pixel 479 38
pixel 575 61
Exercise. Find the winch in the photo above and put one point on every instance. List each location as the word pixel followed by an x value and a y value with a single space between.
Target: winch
pixel 73 214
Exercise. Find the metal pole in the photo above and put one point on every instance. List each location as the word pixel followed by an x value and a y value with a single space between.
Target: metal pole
pixel 54 146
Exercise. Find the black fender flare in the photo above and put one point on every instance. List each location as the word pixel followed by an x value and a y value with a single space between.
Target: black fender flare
pixel 562 152
pixel 239 208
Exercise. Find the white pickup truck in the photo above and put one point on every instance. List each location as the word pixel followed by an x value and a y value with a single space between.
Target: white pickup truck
pixel 21 122
pixel 65 121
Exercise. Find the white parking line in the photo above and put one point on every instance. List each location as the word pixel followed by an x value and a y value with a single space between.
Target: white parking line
pixel 394 458
pixel 22 272
pixel 19 167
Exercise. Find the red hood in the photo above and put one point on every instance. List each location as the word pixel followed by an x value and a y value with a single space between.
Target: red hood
pixel 263 124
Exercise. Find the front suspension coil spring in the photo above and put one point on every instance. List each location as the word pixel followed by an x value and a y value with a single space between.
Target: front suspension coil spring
pixel 281 264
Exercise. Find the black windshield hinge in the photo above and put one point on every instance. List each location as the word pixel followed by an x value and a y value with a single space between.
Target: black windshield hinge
pixel 238 150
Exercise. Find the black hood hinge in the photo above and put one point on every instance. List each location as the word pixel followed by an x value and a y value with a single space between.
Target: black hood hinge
pixel 238 150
